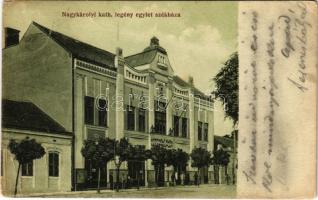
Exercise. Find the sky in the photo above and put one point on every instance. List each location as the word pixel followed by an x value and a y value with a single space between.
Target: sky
pixel 197 43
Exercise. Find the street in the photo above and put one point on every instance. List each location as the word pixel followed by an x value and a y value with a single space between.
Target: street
pixel 204 191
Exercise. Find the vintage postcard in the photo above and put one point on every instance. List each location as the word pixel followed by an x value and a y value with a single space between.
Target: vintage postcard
pixel 159 99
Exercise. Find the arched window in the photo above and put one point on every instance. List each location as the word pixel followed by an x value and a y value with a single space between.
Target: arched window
pixel 54 164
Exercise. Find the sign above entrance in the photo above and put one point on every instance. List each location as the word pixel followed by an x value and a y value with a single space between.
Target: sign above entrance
pixel 163 142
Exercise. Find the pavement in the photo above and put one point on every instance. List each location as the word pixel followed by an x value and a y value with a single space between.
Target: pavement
pixel 203 191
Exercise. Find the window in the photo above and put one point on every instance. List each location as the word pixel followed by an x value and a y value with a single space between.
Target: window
pixel 160 117
pixel 160 89
pixel 130 118
pixel 27 169
pixel 102 112
pixel 142 120
pixel 176 126
pixel 161 59
pixel 89 110
pixel 160 122
pixel 199 130
pixel 206 130
pixel 184 127
pixel 54 164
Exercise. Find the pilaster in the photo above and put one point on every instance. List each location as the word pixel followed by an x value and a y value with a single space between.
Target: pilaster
pixel 210 130
pixel 169 111
pixel 119 64
pixel 151 98
pixel 79 122
pixel 191 120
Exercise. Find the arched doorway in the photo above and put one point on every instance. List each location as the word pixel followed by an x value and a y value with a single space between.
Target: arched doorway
pixel 160 175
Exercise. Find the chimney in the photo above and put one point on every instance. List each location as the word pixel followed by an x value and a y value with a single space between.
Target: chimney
pixel 190 80
pixel 119 61
pixel 119 52
pixel 154 42
pixel 11 37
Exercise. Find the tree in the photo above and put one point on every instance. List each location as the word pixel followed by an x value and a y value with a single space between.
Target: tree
pixel 99 153
pixel 159 159
pixel 122 152
pixel 178 159
pixel 200 158
pixel 25 152
pixel 227 87
pixel 221 158
pixel 139 154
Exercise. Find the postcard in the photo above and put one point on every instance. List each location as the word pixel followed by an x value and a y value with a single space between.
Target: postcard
pixel 159 99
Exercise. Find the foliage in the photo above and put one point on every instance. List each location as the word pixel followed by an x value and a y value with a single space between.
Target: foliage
pixel 200 158
pixel 176 158
pixel 158 155
pixel 123 150
pixel 139 153
pixel 227 87
pixel 221 157
pixel 98 152
pixel 26 151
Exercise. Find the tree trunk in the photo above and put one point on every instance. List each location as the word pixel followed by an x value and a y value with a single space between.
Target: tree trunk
pixel 215 174
pixel 98 181
pixel 138 180
pixel 16 181
pixel 117 178
pixel 220 174
pixel 157 175
pixel 226 175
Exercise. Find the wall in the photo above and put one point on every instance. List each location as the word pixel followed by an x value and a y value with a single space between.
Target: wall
pixel 39 70
pixel 93 85
pixel 40 182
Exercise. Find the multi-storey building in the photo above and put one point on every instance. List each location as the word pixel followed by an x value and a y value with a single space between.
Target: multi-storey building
pixel 94 93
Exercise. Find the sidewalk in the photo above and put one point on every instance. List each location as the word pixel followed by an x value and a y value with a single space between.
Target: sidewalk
pixel 108 191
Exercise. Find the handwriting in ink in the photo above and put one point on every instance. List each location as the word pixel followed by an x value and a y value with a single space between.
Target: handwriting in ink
pixel 250 173
pixel 297 19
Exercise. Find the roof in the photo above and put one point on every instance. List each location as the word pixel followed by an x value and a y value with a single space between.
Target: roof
pixel 80 49
pixel 27 116
pixel 147 55
pixel 183 83
pixel 142 58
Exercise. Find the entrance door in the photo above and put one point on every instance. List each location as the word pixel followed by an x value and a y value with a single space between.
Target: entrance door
pixel 136 172
pixel 92 176
pixel 160 175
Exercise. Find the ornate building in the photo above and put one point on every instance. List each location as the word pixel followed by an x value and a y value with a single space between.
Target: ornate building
pixel 94 93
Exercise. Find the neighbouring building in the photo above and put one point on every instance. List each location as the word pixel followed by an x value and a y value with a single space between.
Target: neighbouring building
pixel 94 93
pixel 51 173
pixel 227 143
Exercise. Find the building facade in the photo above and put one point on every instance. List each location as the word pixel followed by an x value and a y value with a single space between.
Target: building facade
pixel 52 172
pixel 94 93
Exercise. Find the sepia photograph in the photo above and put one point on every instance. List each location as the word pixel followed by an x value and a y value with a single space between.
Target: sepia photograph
pixel 110 99
pixel 159 99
